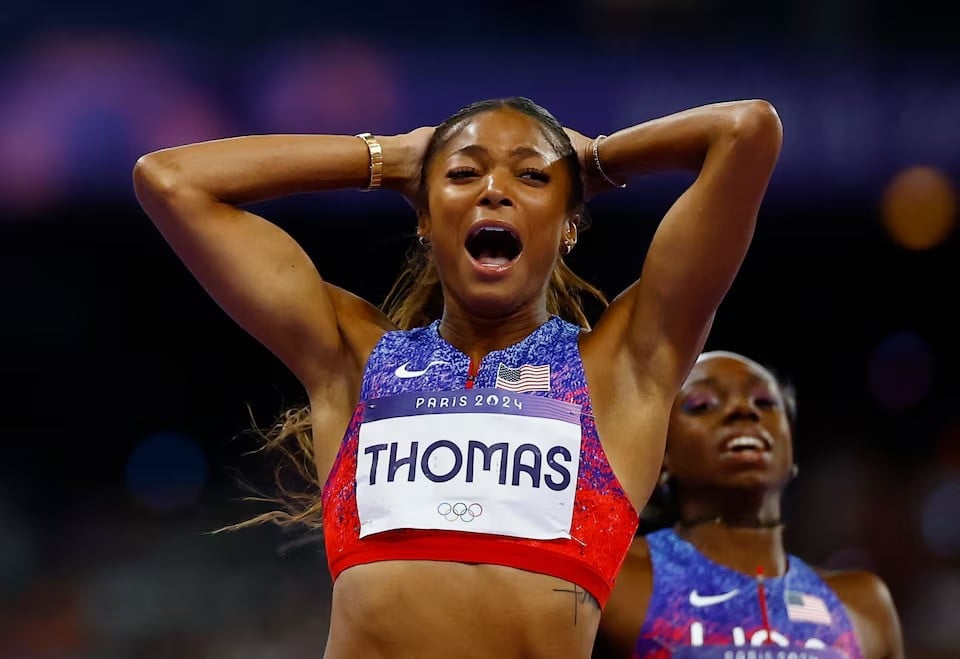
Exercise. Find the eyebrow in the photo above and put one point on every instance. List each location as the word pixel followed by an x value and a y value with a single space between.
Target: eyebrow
pixel 521 151
pixel 708 381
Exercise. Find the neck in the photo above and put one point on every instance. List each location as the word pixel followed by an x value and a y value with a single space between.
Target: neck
pixel 743 532
pixel 739 548
pixel 476 335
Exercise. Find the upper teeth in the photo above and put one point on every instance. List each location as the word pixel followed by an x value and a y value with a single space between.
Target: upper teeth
pixel 748 442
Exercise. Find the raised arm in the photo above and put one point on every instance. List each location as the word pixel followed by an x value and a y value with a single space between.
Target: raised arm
pixel 661 321
pixel 254 270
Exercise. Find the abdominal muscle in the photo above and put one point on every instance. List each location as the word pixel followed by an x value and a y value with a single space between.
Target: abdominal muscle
pixel 440 610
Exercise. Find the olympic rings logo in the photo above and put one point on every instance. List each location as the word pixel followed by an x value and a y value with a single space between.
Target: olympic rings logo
pixel 462 511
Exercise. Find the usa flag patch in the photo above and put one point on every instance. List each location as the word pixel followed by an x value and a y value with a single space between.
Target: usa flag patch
pixel 806 608
pixel 523 379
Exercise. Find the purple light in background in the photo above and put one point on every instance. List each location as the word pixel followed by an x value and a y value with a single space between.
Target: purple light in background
pixel 941 519
pixel 900 371
pixel 338 87
pixel 166 472
pixel 78 110
pixel 32 170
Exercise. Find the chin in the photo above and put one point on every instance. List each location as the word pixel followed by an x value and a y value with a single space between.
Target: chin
pixel 493 296
pixel 491 300
pixel 765 481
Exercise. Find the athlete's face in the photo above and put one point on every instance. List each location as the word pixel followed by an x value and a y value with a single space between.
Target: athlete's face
pixel 497 209
pixel 729 428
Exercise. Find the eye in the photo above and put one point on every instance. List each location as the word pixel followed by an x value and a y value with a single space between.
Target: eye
pixel 534 174
pixel 699 403
pixel 461 173
pixel 766 402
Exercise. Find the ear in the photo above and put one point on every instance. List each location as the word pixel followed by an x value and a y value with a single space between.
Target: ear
pixel 423 222
pixel 570 231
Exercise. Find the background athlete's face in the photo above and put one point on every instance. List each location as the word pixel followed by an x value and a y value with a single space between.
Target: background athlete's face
pixel 729 428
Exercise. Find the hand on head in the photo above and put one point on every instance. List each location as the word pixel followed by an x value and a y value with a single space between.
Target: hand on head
pixel 406 151
pixel 583 145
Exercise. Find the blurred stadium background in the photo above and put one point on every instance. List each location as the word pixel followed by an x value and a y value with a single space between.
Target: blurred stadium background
pixel 126 390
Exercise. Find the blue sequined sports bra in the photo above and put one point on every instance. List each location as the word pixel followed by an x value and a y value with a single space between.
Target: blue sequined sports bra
pixel 495 462
pixel 702 610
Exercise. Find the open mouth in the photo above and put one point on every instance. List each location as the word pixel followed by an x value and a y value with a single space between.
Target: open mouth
pixel 494 245
pixel 744 443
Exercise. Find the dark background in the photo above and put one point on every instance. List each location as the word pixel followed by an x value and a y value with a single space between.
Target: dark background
pixel 126 408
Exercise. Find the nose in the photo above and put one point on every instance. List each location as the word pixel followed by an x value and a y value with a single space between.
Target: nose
pixel 742 409
pixel 495 194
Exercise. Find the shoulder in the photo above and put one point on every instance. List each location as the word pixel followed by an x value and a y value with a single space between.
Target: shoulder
pixel 871 608
pixel 858 589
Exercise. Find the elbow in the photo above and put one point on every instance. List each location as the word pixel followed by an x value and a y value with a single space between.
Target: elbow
pixel 757 124
pixel 156 179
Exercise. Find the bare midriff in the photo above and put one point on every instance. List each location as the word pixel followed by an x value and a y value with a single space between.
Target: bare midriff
pixel 432 609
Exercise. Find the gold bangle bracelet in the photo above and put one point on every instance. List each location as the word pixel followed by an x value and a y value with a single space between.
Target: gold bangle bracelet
pixel 376 161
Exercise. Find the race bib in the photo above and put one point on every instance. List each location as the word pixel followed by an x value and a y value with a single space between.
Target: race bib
pixel 753 652
pixel 475 460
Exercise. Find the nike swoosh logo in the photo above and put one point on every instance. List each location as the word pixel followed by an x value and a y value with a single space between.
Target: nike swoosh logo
pixel 402 371
pixel 709 600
